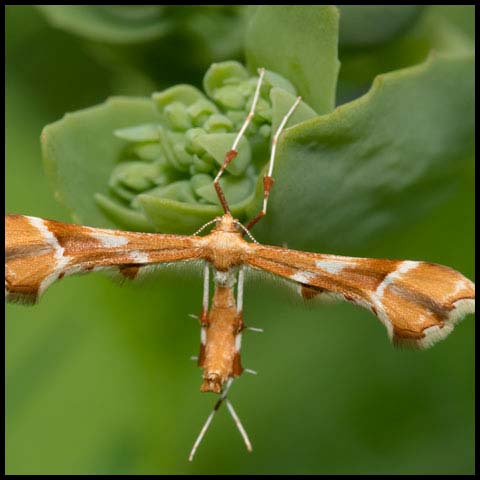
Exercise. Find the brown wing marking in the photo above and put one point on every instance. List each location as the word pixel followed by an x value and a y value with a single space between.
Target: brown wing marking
pixel 38 252
pixel 418 302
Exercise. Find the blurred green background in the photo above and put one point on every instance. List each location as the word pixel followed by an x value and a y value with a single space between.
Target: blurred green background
pixel 98 375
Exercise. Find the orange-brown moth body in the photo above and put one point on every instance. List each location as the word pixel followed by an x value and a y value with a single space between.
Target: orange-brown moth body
pixel 220 347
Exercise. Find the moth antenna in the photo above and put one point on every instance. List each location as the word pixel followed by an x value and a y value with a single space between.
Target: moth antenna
pixel 268 179
pixel 193 315
pixel 193 358
pixel 239 425
pixel 232 153
pixel 207 423
pixel 246 231
pixel 205 226
pixel 250 371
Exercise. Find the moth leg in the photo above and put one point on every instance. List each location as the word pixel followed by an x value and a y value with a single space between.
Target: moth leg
pixel 207 423
pixel 240 282
pixel 237 363
pixel 232 153
pixel 268 179
pixel 206 292
pixel 239 425
pixel 204 315
pixel 209 420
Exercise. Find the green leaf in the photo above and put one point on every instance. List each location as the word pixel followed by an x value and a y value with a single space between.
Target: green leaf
pixel 121 216
pixel 357 170
pixel 135 176
pixel 166 157
pixel 80 152
pixel 110 23
pixel 282 101
pixel 172 216
pixel 462 16
pixel 218 144
pixel 139 133
pixel 236 189
pixel 368 25
pixel 375 163
pixel 186 94
pixel 180 191
pixel 300 43
pixel 168 43
pixel 96 153
pixel 219 74
pixel 432 31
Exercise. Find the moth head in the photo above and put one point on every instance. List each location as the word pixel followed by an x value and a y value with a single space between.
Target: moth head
pixel 226 223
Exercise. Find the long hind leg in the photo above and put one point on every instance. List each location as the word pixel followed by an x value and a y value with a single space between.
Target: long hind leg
pixel 207 423
pixel 232 153
pixel 268 179
pixel 204 315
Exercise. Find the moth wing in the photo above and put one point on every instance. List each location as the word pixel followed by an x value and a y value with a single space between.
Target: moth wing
pixel 38 252
pixel 418 302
